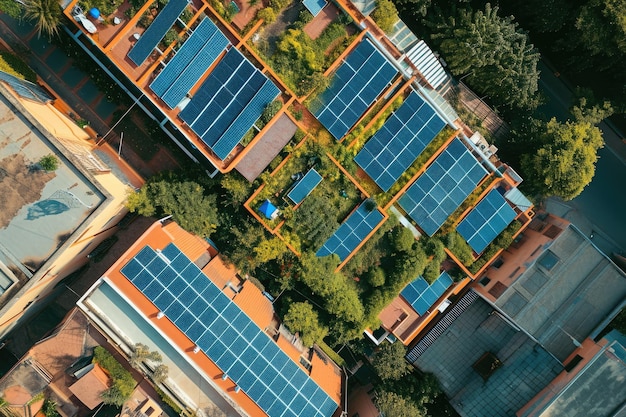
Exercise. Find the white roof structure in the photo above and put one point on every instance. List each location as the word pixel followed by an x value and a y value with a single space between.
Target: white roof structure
pixel 427 64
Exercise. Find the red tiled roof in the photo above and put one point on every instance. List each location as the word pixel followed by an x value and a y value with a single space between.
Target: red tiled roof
pixel 90 387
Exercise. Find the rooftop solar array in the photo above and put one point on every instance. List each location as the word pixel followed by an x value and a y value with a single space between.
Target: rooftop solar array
pixel 442 188
pixel 244 352
pixel 25 89
pixel 422 296
pixel 359 80
pixel 228 103
pixel 195 56
pixel 304 186
pixel 486 221
pixel 399 142
pixel 314 6
pixel 351 232
pixel 156 31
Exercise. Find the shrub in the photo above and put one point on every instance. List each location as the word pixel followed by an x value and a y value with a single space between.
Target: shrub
pixel 14 65
pixel 49 162
pixel 267 14
pixel 123 381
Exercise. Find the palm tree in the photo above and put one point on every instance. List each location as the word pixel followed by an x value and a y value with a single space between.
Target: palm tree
pixel 46 14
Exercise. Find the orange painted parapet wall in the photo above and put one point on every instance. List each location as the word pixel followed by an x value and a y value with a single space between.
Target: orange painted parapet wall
pixel 158 236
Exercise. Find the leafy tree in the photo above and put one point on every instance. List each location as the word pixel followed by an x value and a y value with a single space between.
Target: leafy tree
pixel 301 317
pixel 385 15
pixel 237 187
pixel 267 14
pixel 491 52
pixel 271 110
pixel 159 375
pixel 142 353
pixel 46 14
pixel 402 239
pixel 49 408
pixel 376 277
pixel 392 405
pixel 49 162
pixel 414 7
pixel 390 363
pixel 12 8
pixel 269 249
pixel 601 27
pixel 184 200
pixel 564 162
pixel 584 111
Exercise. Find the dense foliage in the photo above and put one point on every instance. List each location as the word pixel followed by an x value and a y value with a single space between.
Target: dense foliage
pixel 46 14
pixel 185 200
pixel 391 404
pixel 14 65
pixel 389 362
pixel 302 318
pixel 123 382
pixel 491 52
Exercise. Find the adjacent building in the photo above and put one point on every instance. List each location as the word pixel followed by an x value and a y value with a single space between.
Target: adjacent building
pixel 216 331
pixel 49 220
pixel 526 339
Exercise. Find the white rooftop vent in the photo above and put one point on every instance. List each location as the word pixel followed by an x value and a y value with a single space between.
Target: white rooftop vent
pixel 196 349
pixel 237 389
pixel 224 377
pixel 160 315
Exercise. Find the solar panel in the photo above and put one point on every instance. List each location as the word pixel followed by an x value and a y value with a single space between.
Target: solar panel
pixel 486 221
pixel 191 61
pixel 357 82
pixel 398 143
pixel 156 31
pixel 422 296
pixel 304 186
pixel 25 89
pixel 314 6
pixel 236 344
pixel 351 232
pixel 228 103
pixel 441 189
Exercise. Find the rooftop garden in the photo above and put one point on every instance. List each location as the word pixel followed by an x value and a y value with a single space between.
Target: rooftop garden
pixel 297 58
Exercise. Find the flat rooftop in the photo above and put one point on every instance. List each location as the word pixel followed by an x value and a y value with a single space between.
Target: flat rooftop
pixel 38 210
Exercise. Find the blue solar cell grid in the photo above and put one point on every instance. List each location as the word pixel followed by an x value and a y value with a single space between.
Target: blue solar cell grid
pixel 486 221
pixel 242 350
pixel 195 56
pixel 399 142
pixel 155 32
pixel 305 186
pixel 351 232
pixel 314 6
pixel 228 103
pixel 422 296
pixel 441 189
pixel 357 82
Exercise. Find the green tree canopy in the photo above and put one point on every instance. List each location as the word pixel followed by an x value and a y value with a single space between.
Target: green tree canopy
pixel 46 14
pixel 564 162
pixel 49 162
pixel 302 318
pixel 184 200
pixel 385 15
pixel 491 51
pixel 601 27
pixel 389 361
pixel 392 405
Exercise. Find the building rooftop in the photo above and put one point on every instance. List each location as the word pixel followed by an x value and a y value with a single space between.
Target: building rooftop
pixel 214 324
pixel 567 291
pixel 486 367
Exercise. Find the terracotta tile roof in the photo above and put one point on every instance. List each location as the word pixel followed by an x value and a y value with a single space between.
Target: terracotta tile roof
pixel 57 352
pixel 90 387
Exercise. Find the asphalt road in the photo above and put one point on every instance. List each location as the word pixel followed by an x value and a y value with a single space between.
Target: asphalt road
pixel 599 209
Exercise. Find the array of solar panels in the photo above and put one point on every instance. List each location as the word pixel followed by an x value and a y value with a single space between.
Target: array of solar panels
pixel 25 89
pixel 486 221
pixel 399 142
pixel 441 189
pixel 314 6
pixel 304 186
pixel 195 56
pixel 351 232
pixel 422 296
pixel 359 80
pixel 156 31
pixel 245 353
pixel 228 103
